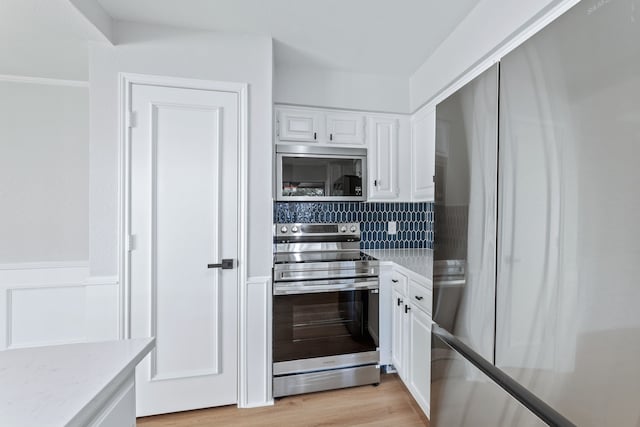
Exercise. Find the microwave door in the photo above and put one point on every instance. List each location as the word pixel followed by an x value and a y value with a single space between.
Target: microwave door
pixel 321 177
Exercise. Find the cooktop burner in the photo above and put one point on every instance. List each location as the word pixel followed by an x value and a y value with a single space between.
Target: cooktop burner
pixel 321 256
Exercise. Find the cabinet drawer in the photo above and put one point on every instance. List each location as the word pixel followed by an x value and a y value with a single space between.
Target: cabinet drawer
pixel 420 296
pixel 399 282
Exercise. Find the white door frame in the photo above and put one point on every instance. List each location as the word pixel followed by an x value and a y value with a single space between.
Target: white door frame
pixel 126 81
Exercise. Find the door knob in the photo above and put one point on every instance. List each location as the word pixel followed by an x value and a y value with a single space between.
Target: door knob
pixel 226 264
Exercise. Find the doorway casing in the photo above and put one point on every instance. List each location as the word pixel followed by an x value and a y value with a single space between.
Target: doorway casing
pixel 125 121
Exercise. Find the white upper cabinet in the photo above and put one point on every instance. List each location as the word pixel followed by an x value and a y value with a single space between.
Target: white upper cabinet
pixel 383 158
pixel 323 127
pixel 345 128
pixel 297 125
pixel 400 148
pixel 423 141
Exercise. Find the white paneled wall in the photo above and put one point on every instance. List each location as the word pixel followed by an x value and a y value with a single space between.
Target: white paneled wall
pixel 45 296
pixel 257 366
pixel 54 303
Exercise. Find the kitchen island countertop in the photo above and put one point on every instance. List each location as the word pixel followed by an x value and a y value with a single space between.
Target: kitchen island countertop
pixel 64 385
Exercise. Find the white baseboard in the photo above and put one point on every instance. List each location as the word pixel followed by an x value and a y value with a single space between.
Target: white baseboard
pixel 259 404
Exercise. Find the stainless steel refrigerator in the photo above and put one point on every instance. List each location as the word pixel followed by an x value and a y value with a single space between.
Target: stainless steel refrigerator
pixel 537 236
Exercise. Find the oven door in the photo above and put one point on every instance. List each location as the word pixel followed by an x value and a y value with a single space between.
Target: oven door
pixel 339 320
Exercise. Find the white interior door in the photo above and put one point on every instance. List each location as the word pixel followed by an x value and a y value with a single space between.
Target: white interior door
pixel 184 201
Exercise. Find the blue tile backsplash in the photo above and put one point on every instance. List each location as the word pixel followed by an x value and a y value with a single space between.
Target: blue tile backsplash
pixel 414 220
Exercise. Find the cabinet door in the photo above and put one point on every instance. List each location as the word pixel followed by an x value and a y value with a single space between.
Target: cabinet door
pixel 419 355
pixel 345 128
pixel 397 353
pixel 423 141
pixel 383 158
pixel 297 125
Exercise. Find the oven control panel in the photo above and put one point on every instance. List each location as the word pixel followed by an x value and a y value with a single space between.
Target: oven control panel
pixel 318 232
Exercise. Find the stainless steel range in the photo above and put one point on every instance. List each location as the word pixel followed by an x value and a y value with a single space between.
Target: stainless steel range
pixel 325 309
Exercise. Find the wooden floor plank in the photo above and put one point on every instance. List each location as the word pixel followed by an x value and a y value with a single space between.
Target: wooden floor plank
pixel 389 404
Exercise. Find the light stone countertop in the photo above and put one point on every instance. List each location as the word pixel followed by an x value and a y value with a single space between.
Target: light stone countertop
pixel 62 384
pixel 418 261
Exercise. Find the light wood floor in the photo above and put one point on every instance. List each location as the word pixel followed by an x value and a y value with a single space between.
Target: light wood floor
pixel 389 404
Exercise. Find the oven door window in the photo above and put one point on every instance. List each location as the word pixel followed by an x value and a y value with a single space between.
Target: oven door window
pixel 322 324
pixel 321 177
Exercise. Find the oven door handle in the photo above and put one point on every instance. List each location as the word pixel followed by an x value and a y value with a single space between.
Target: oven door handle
pixel 317 286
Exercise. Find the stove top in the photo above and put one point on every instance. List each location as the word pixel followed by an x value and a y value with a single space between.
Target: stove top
pixel 321 256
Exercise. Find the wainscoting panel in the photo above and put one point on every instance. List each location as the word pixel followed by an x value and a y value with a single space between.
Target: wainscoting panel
pixel 257 371
pixel 45 315
pixel 55 303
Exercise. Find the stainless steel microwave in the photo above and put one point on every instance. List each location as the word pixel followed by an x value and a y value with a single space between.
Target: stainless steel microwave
pixel 311 173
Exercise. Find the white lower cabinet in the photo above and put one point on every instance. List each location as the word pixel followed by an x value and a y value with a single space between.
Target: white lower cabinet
pixel 120 409
pixel 419 379
pixel 398 333
pixel 411 335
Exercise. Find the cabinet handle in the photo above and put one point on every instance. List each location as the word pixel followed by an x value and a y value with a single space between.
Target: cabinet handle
pixel 330 137
pixel 375 182
pixel 419 298
pixel 315 135
pixel 394 280
pixel 406 308
pixel 399 302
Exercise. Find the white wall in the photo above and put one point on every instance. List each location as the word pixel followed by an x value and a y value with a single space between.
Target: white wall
pixel 44 172
pixel 485 29
pixel 322 87
pixel 165 51
pixel 45 297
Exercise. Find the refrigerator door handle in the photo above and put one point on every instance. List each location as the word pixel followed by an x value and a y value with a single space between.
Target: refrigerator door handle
pixel 541 409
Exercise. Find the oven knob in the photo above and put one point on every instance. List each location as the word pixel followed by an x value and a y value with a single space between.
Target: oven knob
pixel 343 229
pixel 353 229
pixel 294 229
pixel 284 229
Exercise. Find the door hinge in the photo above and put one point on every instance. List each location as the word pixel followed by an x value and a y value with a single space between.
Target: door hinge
pixel 130 243
pixel 131 119
pixel 277 127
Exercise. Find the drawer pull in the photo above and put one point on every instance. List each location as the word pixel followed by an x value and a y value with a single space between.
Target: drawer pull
pixel 419 298
pixel 394 280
